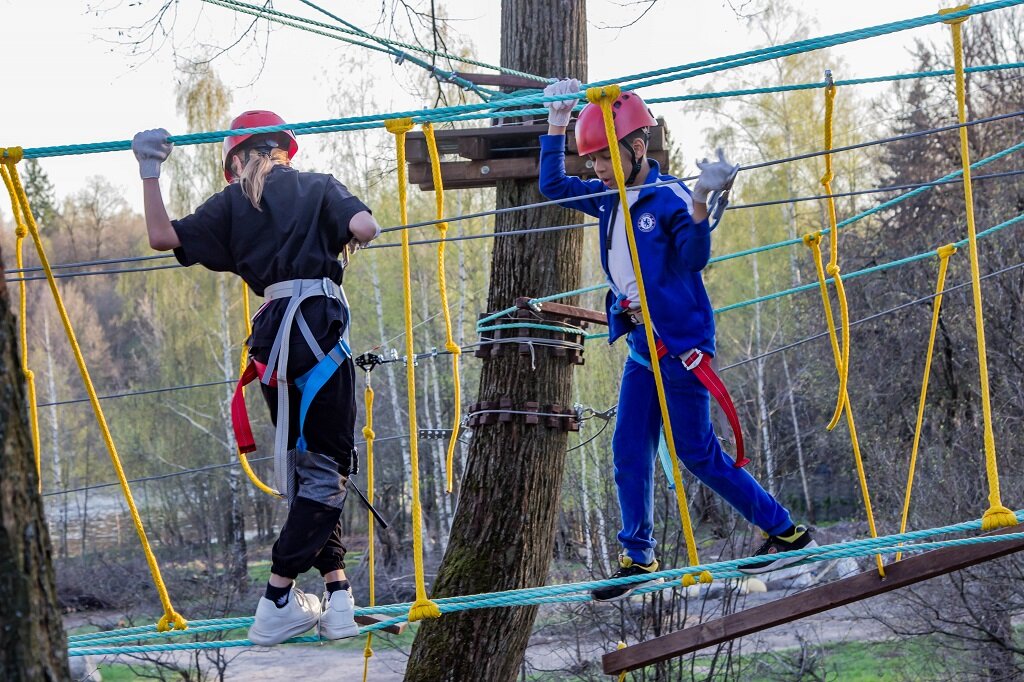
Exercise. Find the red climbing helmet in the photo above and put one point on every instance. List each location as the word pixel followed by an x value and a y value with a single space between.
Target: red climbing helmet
pixel 256 119
pixel 629 112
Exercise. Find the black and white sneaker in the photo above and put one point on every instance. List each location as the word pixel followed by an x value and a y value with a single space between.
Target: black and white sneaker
pixel 797 537
pixel 626 568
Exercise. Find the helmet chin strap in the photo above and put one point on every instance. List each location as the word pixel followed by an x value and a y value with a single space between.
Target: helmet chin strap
pixel 637 165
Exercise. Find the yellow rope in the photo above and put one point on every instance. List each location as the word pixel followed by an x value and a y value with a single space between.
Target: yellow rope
pixel 996 516
pixel 422 607
pixel 170 619
pixel 604 97
pixel 843 360
pixel 369 435
pixel 243 458
pixel 30 378
pixel 620 646
pixel 813 241
pixel 450 345
pixel 944 252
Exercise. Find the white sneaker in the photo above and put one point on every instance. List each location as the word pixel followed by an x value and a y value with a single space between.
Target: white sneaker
pixel 274 625
pixel 337 621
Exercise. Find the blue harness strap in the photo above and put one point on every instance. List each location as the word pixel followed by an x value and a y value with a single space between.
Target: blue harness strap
pixel 310 383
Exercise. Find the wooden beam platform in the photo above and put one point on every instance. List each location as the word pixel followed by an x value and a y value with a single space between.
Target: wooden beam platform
pixel 913 569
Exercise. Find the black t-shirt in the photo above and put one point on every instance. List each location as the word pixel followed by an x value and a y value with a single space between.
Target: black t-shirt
pixel 299 234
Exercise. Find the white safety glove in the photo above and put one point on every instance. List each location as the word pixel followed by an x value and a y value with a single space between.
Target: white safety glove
pixel 714 176
pixel 151 148
pixel 560 112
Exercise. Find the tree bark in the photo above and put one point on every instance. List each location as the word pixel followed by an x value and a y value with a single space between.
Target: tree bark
pixel 32 642
pixel 503 532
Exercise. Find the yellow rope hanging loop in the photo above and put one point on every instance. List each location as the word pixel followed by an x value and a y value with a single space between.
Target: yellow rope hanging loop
pixel 843 361
pixel 369 435
pixel 996 516
pixel 170 619
pixel 450 345
pixel 242 457
pixel 422 607
pixel 21 232
pixel 813 242
pixel 604 97
pixel 944 253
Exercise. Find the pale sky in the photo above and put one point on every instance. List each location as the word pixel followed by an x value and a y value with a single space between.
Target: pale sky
pixel 75 83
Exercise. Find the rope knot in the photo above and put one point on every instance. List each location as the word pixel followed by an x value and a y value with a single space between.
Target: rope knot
pixel 689 580
pixel 11 155
pixel 368 433
pixel 172 620
pixel 30 376
pixel 706 577
pixel 453 348
pixel 832 270
pixel 21 231
pixel 398 126
pixel 812 239
pixel 827 178
pixel 953 10
pixel 607 93
pixel 946 251
pixel 423 608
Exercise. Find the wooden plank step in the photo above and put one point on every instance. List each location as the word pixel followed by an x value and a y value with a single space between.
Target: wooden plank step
pixel 913 569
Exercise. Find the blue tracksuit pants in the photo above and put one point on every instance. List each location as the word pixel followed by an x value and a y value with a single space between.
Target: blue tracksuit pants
pixel 635 445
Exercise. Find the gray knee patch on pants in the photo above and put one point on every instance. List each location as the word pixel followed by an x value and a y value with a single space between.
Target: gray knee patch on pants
pixel 315 476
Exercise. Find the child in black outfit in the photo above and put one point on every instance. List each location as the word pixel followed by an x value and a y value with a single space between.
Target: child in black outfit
pixel 282 231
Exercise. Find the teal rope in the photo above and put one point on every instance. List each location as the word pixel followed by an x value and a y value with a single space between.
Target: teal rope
pixel 723 569
pixel 440 114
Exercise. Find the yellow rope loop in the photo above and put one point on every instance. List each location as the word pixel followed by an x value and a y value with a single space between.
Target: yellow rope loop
pixel 843 363
pixel 171 621
pixel 951 10
pixel 706 577
pixel 997 515
pixel 450 345
pixel 11 155
pixel 604 97
pixel 399 126
pixel 243 458
pixel 371 561
pixel 30 384
pixel 944 253
pixel 813 242
pixel 22 204
pixel 688 580
pixel 422 607
pixel 605 93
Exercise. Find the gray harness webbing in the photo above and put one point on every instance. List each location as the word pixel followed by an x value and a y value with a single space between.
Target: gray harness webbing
pixel 298 290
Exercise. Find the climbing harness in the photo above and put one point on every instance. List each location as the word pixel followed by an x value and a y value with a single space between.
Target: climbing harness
pixel 699 362
pixel 275 371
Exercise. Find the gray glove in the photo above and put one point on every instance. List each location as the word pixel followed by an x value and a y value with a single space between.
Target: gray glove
pixel 151 148
pixel 714 176
pixel 560 112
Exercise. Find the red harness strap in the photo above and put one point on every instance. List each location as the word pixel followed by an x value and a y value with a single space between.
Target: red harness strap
pixel 239 414
pixel 699 363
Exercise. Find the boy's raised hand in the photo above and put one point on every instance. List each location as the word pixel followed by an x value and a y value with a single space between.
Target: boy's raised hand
pixel 559 112
pixel 151 148
pixel 714 176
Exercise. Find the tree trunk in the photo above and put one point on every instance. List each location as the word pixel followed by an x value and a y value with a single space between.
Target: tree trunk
pixel 32 639
pixel 503 531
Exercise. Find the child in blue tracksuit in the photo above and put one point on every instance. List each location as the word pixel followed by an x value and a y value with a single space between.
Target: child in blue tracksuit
pixel 673 238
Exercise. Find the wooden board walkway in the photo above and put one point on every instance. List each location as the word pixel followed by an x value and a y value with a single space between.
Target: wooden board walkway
pixel 910 570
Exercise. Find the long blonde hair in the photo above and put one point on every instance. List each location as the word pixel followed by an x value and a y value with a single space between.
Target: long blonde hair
pixel 257 165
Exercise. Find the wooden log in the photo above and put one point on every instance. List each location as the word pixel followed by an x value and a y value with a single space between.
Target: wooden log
pixel 910 570
pixel 396 629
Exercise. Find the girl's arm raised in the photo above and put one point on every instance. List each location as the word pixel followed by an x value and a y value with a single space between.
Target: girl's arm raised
pixel 162 236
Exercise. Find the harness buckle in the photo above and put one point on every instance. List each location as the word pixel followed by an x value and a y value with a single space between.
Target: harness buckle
pixel 696 353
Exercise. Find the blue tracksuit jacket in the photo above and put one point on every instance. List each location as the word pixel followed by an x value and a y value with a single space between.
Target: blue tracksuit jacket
pixel 673 249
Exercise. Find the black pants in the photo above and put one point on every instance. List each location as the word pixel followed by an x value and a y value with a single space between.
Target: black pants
pixel 311 535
